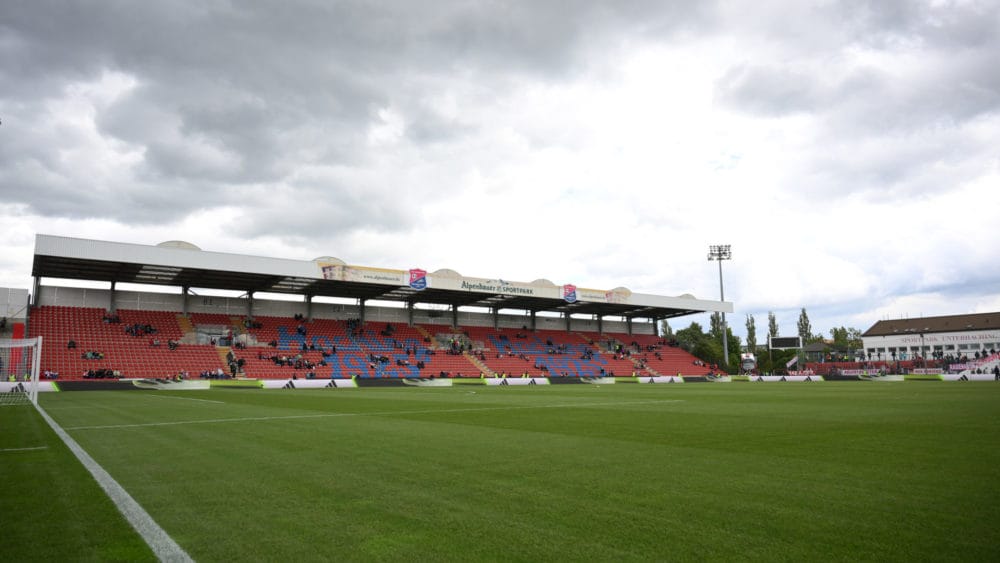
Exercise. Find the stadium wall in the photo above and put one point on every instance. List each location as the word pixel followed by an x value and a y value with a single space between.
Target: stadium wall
pixel 13 303
pixel 237 306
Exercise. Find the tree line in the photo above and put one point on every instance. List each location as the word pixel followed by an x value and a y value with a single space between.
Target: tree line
pixel 707 346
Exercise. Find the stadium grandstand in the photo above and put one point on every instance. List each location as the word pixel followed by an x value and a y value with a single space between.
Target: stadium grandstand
pixel 325 319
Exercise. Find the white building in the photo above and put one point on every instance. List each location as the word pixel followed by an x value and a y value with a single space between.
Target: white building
pixel 953 335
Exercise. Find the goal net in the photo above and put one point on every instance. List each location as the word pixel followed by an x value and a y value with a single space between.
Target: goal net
pixel 19 361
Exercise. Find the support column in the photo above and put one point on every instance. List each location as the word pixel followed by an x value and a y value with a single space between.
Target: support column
pixel 111 305
pixel 533 321
pixel 454 316
pixel 361 310
pixel 566 314
pixel 656 327
pixel 409 311
pixel 496 318
pixel 628 325
pixel 36 286
pixel 184 299
pixel 250 304
pixel 600 324
pixel 309 307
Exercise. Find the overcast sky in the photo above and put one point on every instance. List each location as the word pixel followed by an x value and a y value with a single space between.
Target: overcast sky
pixel 848 151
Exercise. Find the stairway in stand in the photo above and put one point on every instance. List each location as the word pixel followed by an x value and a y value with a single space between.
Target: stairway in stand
pixel 223 353
pixel 423 332
pixel 237 327
pixel 594 344
pixel 483 368
pixel 648 369
pixel 185 323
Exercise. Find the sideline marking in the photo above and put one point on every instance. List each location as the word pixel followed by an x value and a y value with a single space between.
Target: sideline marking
pixel 186 399
pixel 163 546
pixel 24 449
pixel 383 413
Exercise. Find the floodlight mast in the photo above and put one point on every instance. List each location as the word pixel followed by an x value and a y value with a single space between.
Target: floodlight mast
pixel 722 252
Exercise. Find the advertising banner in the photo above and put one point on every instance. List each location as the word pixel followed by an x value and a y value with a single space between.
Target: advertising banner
pixel 306 383
pixel 43 386
pixel 969 377
pixel 794 378
pixel 661 379
pixel 511 381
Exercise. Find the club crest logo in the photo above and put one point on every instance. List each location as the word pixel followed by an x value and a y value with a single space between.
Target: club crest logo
pixel 418 279
pixel 569 293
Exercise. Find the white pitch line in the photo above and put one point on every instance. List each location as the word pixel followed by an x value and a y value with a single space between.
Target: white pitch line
pixel 351 414
pixel 24 449
pixel 186 399
pixel 163 546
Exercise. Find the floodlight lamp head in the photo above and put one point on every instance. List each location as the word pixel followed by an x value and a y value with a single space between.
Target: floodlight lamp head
pixel 719 252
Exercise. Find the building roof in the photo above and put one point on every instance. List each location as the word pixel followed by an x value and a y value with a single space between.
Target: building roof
pixel 815 347
pixel 185 265
pixel 927 325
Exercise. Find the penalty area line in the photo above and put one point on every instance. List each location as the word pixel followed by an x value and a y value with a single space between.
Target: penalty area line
pixel 379 413
pixel 24 449
pixel 186 399
pixel 163 546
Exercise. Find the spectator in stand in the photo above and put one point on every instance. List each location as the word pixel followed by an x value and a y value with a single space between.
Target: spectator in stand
pixel 71 345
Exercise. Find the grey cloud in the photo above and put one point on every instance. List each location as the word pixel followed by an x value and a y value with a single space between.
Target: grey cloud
pixel 887 168
pixel 326 208
pixel 884 24
pixel 233 94
pixel 771 90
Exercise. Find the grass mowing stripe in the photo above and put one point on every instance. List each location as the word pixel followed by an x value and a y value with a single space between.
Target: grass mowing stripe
pixel 187 399
pixel 163 546
pixel 383 413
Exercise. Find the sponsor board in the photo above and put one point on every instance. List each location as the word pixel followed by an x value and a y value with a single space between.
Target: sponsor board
pixel 340 272
pixel 886 378
pixel 598 380
pixel 793 378
pixel 18 386
pixel 481 285
pixel 968 377
pixel 421 382
pixel 94 385
pixel 306 383
pixel 419 279
pixel 565 380
pixel 510 381
pixel 865 372
pixel 660 379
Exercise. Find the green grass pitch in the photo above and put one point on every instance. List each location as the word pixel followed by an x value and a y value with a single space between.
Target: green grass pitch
pixel 625 472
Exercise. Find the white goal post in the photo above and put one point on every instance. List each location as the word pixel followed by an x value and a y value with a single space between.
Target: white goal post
pixel 19 365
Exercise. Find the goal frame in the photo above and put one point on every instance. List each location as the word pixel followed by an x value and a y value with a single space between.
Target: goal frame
pixel 30 384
